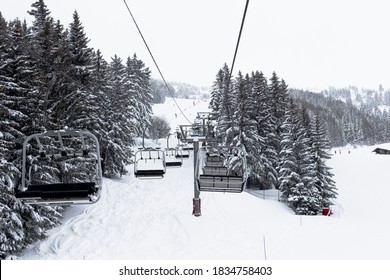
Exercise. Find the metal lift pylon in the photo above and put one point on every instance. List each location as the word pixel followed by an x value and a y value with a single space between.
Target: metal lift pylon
pixel 196 210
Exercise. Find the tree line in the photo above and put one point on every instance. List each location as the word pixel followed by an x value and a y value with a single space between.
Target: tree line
pixel 49 79
pixel 352 116
pixel 286 147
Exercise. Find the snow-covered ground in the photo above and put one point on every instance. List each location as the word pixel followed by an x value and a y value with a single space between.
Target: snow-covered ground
pixel 152 219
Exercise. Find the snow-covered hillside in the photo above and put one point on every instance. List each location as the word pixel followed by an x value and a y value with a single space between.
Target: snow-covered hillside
pixel 152 219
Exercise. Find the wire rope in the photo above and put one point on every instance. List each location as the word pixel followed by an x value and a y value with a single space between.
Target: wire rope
pixel 155 62
pixel 239 38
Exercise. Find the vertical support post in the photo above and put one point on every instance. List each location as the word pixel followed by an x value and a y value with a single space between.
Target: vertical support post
pixel 196 200
pixel 168 141
pixel 143 137
pixel 204 128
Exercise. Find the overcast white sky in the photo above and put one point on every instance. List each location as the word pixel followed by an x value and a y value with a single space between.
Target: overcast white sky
pixel 309 43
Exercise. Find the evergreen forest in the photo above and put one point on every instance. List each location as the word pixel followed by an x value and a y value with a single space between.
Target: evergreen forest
pixel 50 78
pixel 286 147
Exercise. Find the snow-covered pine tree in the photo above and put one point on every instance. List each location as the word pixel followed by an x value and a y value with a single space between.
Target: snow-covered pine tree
pixel 243 132
pixel 296 179
pixel 21 224
pixel 24 75
pixel 11 228
pixel 139 76
pixel 289 179
pixel 81 104
pixel 44 45
pixel 323 175
pixel 226 106
pixel 305 157
pixel 240 87
pixel 60 79
pixel 216 102
pixel 278 96
pixel 121 120
pixel 97 120
pixel 81 54
pixel 41 51
pixel 265 174
pixel 70 106
pixel 217 92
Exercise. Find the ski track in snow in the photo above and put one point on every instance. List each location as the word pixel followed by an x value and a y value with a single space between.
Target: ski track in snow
pixel 151 219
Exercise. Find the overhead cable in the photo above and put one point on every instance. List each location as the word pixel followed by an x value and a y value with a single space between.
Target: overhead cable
pixel 239 38
pixel 155 62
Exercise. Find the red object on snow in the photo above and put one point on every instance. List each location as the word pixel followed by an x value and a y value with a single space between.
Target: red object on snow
pixel 326 211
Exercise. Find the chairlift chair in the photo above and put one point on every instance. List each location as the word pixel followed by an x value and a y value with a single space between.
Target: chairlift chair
pixel 173 157
pixel 149 163
pixel 183 151
pixel 191 132
pixel 71 157
pixel 221 169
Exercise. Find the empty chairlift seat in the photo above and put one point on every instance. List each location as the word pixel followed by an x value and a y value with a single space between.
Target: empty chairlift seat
pixel 77 152
pixel 149 164
pixel 218 183
pixel 215 165
pixel 172 159
pixel 182 151
pixel 66 193
pixel 217 175
pixel 215 160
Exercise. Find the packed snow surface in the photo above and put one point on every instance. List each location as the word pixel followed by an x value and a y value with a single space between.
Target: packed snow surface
pixel 152 219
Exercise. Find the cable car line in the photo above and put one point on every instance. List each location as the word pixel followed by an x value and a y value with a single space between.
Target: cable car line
pixel 154 61
pixel 239 38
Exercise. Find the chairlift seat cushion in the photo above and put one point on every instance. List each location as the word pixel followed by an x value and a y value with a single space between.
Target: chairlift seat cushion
pixel 173 163
pixel 183 156
pixel 59 190
pixel 149 173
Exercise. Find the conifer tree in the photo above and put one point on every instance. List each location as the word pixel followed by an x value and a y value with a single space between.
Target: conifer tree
pixel 42 55
pixel 266 174
pixel 97 120
pixel 295 171
pixel 78 102
pixel 121 120
pixel 323 175
pixel 226 106
pixel 139 88
pixel 11 228
pixel 278 102
pixel 217 92
pixel 243 132
pixel 22 224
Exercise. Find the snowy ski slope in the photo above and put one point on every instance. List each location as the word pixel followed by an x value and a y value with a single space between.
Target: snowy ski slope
pixel 151 219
